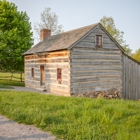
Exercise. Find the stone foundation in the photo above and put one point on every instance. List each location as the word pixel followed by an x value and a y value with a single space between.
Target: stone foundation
pixel 109 94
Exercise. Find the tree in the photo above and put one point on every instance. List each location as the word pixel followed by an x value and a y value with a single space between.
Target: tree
pixel 15 37
pixel 109 25
pixel 136 55
pixel 49 20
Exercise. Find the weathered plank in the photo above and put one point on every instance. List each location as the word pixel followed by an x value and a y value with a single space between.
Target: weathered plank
pixel 77 64
pixel 94 50
pixel 138 82
pixel 95 60
pixel 89 39
pixel 97 68
pixel 110 46
pixel 96 76
pixel 123 77
pixel 95 83
pixel 55 81
pixel 99 88
pixel 96 57
pixel 58 65
pixel 131 79
pixel 54 76
pixel 127 78
pixel 96 79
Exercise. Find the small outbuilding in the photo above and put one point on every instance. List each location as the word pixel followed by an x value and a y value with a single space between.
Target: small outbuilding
pixel 81 61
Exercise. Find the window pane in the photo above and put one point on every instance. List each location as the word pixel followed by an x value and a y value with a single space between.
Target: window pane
pixel 98 40
pixel 32 72
pixel 59 76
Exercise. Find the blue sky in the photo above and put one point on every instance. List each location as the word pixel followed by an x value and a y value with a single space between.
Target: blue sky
pixel 77 13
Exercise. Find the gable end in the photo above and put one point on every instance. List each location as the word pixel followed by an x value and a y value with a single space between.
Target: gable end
pixel 89 39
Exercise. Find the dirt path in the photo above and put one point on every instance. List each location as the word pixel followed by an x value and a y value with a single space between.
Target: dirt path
pixel 10 130
pixel 18 88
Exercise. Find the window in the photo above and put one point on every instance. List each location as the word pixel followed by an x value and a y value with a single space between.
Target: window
pixel 98 40
pixel 32 72
pixel 59 74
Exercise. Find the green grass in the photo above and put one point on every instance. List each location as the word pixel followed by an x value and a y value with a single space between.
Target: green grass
pixel 74 118
pixel 5 79
pixel 5 86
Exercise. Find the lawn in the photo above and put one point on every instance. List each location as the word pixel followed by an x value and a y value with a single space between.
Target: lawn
pixel 5 86
pixel 5 79
pixel 73 118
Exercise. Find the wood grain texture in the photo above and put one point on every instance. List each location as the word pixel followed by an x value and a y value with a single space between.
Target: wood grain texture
pixel 51 61
pixel 92 50
pixel 131 79
pixel 95 70
pixel 90 40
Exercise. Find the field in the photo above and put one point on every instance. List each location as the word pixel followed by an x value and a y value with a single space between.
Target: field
pixel 5 79
pixel 74 118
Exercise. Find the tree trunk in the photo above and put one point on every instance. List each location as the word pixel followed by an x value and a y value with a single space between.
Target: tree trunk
pixel 20 76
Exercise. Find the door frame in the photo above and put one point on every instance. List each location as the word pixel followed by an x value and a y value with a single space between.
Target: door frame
pixel 42 75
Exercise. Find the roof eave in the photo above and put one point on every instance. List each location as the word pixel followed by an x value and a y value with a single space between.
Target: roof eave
pixel 119 46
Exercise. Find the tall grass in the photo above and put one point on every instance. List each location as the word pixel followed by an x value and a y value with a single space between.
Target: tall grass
pixel 74 118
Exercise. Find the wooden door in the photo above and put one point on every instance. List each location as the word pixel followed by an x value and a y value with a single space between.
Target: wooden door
pixel 42 74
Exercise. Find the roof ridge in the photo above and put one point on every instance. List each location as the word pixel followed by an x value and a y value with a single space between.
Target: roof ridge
pixel 81 27
pixel 74 29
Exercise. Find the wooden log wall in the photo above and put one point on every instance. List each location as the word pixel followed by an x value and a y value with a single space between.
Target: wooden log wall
pixel 89 41
pixel 95 70
pixel 131 78
pixel 51 62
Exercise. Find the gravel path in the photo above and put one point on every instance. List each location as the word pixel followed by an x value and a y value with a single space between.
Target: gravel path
pixel 10 130
pixel 17 88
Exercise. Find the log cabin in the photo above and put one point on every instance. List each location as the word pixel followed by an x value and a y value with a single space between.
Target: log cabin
pixel 80 61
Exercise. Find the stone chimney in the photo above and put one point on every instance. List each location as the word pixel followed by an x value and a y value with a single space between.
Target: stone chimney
pixel 44 33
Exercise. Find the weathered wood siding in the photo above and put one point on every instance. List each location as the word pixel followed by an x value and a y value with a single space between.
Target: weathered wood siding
pixel 131 79
pixel 51 62
pixel 95 69
pixel 89 40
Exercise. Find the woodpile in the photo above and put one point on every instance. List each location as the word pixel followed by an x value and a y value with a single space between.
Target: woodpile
pixel 108 94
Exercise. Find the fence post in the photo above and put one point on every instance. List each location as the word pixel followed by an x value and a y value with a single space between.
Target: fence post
pixel 11 76
pixel 20 76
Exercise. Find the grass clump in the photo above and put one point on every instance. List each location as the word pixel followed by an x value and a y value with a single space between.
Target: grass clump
pixel 74 118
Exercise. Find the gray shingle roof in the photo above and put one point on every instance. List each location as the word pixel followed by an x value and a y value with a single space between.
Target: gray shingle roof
pixel 60 41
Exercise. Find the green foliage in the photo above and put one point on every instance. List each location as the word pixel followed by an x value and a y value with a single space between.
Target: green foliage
pixel 74 118
pixel 109 25
pixel 15 37
pixel 136 55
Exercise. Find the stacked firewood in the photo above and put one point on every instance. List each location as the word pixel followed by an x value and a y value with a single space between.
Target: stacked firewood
pixel 108 94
